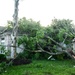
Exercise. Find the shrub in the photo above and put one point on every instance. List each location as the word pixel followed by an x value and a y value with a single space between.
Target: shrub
pixel 2 58
pixel 3 67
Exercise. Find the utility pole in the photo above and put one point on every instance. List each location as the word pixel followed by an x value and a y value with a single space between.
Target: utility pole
pixel 15 26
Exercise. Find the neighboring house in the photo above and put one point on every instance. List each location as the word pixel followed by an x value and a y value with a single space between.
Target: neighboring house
pixel 6 39
pixel 73 42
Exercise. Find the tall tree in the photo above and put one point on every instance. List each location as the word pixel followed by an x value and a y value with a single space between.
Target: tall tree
pixel 15 26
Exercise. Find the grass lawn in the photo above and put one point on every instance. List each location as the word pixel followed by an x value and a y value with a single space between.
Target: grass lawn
pixel 43 67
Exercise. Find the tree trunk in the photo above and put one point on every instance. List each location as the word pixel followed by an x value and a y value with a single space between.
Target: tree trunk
pixel 15 26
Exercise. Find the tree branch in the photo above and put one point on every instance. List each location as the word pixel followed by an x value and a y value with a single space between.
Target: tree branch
pixel 3 31
pixel 56 42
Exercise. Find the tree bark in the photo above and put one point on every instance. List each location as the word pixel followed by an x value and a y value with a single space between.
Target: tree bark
pixel 15 26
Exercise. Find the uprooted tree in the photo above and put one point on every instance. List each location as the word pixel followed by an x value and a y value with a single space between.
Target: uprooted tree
pixel 60 33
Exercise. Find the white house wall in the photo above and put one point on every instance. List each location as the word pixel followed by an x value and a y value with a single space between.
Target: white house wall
pixel 20 49
pixel 8 41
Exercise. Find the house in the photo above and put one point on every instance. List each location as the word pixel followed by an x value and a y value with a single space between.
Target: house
pixel 6 41
pixel 73 42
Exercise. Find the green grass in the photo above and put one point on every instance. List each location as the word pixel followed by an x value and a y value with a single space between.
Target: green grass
pixel 43 67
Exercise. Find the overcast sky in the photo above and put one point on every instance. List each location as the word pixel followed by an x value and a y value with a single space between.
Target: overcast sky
pixel 43 10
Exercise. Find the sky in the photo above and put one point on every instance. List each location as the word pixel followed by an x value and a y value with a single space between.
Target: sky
pixel 39 10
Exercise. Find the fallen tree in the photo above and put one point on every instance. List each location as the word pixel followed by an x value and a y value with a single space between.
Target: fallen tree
pixel 69 52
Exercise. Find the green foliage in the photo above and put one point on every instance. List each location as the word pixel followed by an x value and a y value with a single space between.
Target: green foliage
pixel 2 67
pixel 22 40
pixel 61 35
pixel 21 55
pixel 28 42
pixel 35 34
pixel 40 34
pixel 4 51
pixel 2 48
pixel 28 27
pixel 60 57
pixel 60 28
pixel 37 55
pixel 2 57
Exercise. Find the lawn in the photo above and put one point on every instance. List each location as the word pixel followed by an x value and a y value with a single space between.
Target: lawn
pixel 43 67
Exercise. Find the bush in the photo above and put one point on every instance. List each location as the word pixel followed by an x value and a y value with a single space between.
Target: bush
pixel 2 67
pixel 2 58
